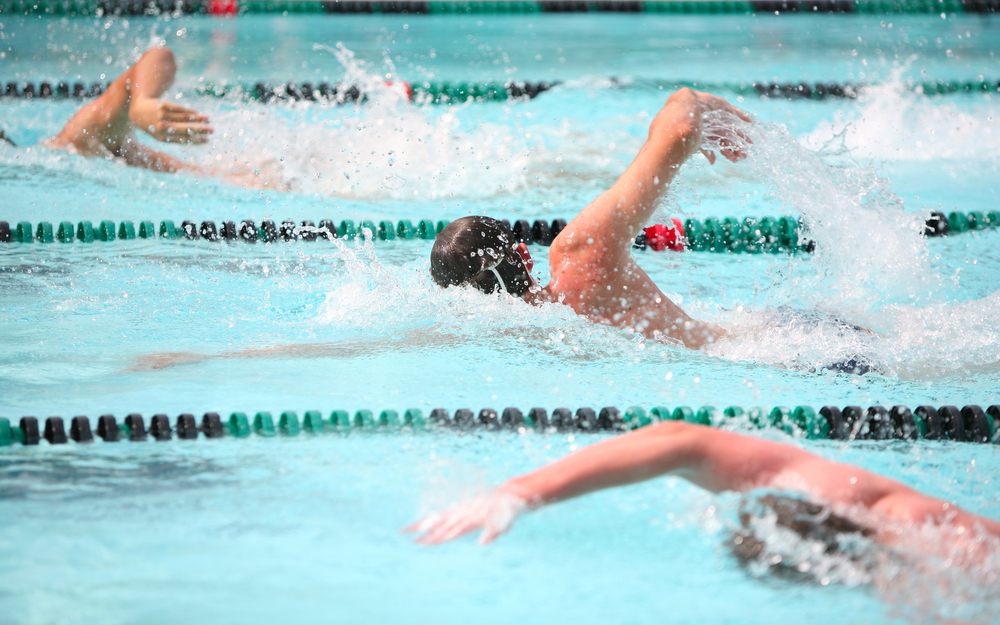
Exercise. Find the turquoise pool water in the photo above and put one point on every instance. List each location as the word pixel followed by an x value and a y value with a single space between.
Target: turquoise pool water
pixel 304 528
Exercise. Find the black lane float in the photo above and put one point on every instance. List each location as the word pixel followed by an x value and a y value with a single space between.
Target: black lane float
pixel 474 7
pixel 460 92
pixel 751 235
pixel 852 423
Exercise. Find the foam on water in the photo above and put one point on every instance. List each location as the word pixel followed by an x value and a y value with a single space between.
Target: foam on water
pixel 385 148
pixel 869 250
pixel 928 574
pixel 871 267
pixel 403 301
pixel 897 123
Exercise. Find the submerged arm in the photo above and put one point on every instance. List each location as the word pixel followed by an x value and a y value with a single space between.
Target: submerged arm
pixel 138 155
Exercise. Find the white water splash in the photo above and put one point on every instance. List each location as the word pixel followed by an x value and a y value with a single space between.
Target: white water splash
pixel 869 250
pixel 386 148
pixel 902 125
pixel 871 267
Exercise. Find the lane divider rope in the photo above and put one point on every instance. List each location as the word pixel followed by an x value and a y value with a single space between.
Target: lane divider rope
pixel 461 92
pixel 700 7
pixel 946 423
pixel 751 235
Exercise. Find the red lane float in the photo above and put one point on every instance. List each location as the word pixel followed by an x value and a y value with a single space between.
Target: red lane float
pixel 223 7
pixel 660 237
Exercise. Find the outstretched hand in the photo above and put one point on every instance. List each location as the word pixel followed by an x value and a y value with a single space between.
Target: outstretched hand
pixel 732 141
pixel 169 122
pixel 493 513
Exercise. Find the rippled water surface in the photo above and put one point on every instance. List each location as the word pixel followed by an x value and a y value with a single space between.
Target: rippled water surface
pixel 305 528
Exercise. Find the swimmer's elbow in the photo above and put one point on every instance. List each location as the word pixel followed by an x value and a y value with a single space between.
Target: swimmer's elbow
pixel 162 55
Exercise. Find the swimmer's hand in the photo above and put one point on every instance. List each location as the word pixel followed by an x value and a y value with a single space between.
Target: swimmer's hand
pixel 169 122
pixel 732 142
pixel 493 513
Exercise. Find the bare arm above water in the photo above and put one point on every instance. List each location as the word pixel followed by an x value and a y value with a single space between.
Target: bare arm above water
pixel 713 459
pixel 105 126
pixel 612 221
pixel 591 262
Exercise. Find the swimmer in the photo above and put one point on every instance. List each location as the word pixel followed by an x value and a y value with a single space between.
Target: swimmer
pixel 105 127
pixel 592 268
pixel 717 460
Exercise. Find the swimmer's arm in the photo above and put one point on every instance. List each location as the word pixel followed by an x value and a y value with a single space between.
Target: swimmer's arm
pixel 166 121
pixel 613 220
pixel 164 360
pixel 138 155
pixel 712 459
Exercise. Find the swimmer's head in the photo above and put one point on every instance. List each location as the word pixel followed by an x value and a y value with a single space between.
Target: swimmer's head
pixel 827 534
pixel 481 252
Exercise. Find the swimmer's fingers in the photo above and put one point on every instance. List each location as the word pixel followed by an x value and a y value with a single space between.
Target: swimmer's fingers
pixel 452 525
pixel 444 526
pixel 731 143
pixel 735 110
pixel 710 155
pixel 169 122
pixel 493 513
pixel 186 133
pixel 710 102
pixel 177 113
pixel 425 524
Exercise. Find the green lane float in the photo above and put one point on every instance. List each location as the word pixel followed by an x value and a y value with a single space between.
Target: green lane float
pixel 852 423
pixel 496 7
pixel 447 93
pixel 751 235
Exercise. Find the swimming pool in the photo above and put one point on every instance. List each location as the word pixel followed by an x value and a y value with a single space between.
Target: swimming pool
pixel 304 528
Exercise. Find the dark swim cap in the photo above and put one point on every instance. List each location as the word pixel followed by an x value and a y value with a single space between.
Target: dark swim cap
pixel 832 535
pixel 477 251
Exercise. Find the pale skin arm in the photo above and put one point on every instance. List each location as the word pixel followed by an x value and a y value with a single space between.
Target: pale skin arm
pixel 340 350
pixel 615 218
pixel 164 360
pixel 591 262
pixel 105 127
pixel 713 459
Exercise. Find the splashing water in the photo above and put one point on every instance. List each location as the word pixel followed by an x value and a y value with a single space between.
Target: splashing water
pixel 871 267
pixel 869 250
pixel 386 148
pixel 898 124
pixel 930 574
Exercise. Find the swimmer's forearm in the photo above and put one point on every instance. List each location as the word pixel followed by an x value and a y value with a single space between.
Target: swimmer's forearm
pixel 618 214
pixel 637 456
pixel 138 155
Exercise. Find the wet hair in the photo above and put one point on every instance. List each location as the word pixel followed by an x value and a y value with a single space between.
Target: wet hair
pixel 475 251
pixel 810 521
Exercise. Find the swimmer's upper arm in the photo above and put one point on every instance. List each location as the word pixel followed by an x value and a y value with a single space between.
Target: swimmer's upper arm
pixel 907 505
